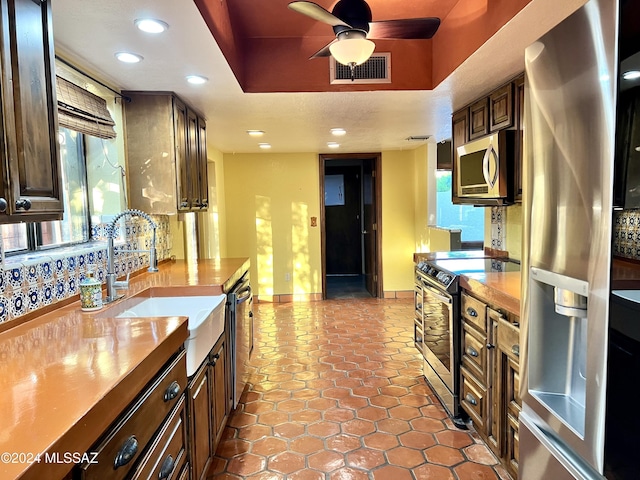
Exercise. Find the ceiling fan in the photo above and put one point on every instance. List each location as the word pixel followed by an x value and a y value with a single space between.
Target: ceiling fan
pixel 352 23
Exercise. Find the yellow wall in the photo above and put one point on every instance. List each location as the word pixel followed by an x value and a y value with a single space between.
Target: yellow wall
pixel 399 218
pixel 211 224
pixel 269 201
pixel 514 231
pixel 271 197
pixel 421 200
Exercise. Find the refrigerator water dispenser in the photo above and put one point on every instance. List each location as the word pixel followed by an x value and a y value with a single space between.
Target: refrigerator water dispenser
pixel 558 346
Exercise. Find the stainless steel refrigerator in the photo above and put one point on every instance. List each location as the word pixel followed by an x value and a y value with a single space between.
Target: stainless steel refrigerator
pixel 570 96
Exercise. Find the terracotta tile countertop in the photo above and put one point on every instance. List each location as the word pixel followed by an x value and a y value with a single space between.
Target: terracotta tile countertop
pixel 501 289
pixel 67 374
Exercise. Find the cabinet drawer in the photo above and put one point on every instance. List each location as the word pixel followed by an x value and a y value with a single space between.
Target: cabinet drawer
pixel 473 399
pixel 168 453
pixel 474 352
pixel 125 442
pixel 509 339
pixel 474 312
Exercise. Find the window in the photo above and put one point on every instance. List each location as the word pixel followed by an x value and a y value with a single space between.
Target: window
pixel 467 218
pixel 74 226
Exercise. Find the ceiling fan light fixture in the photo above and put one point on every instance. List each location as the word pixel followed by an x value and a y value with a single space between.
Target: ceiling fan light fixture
pixel 352 50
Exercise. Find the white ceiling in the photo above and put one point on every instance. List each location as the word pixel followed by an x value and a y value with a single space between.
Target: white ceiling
pixel 89 32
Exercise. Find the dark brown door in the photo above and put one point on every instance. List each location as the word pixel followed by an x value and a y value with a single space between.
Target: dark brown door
pixel 343 221
pixel 364 226
pixel 370 231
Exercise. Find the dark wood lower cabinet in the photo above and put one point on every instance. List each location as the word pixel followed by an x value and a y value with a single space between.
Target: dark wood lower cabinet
pixel 491 376
pixel 220 406
pixel 200 422
pixel 208 409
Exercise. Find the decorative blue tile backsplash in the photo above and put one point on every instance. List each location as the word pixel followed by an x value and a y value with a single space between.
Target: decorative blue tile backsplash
pixel 499 228
pixel 29 282
pixel 626 234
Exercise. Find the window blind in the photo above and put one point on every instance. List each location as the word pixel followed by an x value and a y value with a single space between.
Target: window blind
pixel 81 110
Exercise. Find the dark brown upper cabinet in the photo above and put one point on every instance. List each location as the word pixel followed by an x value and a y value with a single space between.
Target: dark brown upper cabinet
pixel 31 187
pixel 501 109
pixel 479 119
pixel 166 153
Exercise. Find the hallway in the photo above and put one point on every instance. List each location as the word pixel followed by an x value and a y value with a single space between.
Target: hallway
pixel 337 393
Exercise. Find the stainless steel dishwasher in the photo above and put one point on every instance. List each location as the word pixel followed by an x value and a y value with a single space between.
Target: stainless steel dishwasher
pixel 239 326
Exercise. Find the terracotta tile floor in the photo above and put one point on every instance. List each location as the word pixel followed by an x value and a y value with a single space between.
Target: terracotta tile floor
pixel 337 393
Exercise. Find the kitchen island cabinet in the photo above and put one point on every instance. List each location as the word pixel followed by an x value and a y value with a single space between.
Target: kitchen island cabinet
pixel 30 183
pixel 105 365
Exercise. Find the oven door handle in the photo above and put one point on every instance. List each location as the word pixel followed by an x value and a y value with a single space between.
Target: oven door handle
pixel 437 295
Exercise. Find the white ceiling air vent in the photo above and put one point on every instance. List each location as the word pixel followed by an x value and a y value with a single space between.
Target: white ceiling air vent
pixel 375 70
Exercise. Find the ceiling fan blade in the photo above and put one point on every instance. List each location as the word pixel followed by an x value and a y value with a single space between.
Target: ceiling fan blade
pixel 410 28
pixel 318 13
pixel 324 51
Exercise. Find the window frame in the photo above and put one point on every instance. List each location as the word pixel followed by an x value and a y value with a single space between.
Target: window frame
pixel 34 230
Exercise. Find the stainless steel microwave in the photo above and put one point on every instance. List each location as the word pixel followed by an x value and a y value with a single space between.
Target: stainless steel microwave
pixel 484 167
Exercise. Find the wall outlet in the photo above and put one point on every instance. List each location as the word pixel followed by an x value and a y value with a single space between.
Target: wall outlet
pixel 287 277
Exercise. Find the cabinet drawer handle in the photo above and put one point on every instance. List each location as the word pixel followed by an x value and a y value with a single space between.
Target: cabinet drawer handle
pixel 470 398
pixel 23 203
pixel 213 362
pixel 471 312
pixel 184 205
pixel 490 346
pixel 472 351
pixel 3 205
pixel 167 468
pixel 515 349
pixel 127 452
pixel 172 391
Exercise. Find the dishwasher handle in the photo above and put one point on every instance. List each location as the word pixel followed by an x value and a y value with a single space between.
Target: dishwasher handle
pixel 243 294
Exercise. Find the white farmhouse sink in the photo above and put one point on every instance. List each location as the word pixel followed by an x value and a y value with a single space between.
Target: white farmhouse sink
pixel 206 321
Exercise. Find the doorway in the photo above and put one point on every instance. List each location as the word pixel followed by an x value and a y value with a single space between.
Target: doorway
pixel 350 221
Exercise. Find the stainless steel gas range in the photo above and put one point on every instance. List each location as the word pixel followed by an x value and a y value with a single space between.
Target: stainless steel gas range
pixel 437 322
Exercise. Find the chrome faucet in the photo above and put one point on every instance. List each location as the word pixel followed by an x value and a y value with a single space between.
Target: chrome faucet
pixel 112 284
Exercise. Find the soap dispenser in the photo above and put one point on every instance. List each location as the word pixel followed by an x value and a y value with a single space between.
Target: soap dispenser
pixel 90 292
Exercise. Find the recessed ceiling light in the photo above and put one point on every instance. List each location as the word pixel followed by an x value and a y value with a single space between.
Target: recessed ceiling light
pixel 338 131
pixel 127 57
pixel 197 79
pixel 631 75
pixel 333 144
pixel 150 25
pixel 255 133
pixel 265 146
